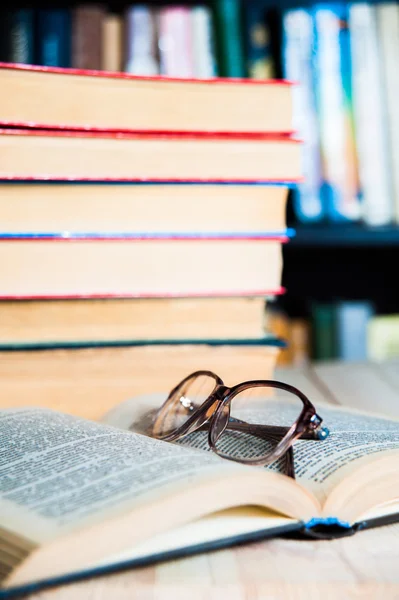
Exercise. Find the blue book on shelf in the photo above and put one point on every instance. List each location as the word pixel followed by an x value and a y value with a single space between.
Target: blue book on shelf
pixel 54 38
pixel 298 43
pixel 340 187
pixel 352 319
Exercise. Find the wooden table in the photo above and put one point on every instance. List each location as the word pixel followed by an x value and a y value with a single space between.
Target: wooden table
pixel 364 566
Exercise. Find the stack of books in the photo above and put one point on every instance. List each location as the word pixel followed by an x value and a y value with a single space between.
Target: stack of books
pixel 142 220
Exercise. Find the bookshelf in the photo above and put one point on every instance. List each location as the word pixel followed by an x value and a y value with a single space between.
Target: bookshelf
pixel 344 236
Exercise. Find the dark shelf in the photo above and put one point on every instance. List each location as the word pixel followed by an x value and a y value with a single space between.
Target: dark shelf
pixel 342 235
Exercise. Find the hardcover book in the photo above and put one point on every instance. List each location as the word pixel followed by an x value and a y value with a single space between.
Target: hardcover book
pixel 44 323
pixel 76 156
pixel 80 498
pixel 140 268
pixel 69 99
pixel 51 209
pixel 88 379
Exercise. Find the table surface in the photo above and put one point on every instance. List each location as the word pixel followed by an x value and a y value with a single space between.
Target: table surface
pixel 365 565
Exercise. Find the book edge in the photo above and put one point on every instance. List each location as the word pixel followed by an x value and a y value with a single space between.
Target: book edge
pixel 130 76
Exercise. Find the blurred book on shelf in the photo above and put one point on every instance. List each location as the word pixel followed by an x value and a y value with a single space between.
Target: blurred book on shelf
pixel 388 43
pixel 370 115
pixel 339 330
pixel 343 330
pixel 383 337
pixel 176 42
pixel 295 332
pixel 112 47
pixel 352 320
pixel 229 38
pixel 203 43
pixel 87 36
pixel 340 189
pixel 140 37
pixel 258 43
pixel 298 49
pixel 54 37
pixel 17 35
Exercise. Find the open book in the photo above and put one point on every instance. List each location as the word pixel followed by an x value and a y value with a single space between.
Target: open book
pixel 79 498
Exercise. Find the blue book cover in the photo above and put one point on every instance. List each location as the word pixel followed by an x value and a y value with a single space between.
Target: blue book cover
pixel 54 38
pixel 340 188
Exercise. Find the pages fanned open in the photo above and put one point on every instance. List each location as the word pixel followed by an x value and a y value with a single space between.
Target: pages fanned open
pixel 79 498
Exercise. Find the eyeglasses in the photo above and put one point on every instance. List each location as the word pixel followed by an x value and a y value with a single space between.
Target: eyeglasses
pixel 229 417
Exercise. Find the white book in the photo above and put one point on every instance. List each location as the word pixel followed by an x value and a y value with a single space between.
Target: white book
pixel 203 45
pixel 370 116
pixel 298 67
pixel 388 38
pixel 140 56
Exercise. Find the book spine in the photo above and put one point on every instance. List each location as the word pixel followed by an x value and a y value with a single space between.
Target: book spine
pixel 388 41
pixel 324 332
pixel 54 38
pixel 17 36
pixel 298 36
pixel 352 321
pixel 370 116
pixel 340 187
pixel 176 42
pixel 260 60
pixel 383 337
pixel 87 36
pixel 203 43
pixel 141 41
pixel 229 37
pixel 112 43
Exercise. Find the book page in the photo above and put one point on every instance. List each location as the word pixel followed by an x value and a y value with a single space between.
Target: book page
pixel 320 465
pixel 59 471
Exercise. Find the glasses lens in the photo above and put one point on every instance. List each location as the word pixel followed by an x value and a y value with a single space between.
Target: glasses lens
pixel 259 419
pixel 183 403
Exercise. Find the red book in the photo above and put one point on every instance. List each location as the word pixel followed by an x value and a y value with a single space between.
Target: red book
pixel 98 100
pixel 60 155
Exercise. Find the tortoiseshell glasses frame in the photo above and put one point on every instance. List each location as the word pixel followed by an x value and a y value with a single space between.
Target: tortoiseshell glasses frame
pixel 213 415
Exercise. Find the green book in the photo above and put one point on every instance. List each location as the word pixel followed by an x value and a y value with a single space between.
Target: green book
pixel 229 38
pixel 324 332
pixel 17 36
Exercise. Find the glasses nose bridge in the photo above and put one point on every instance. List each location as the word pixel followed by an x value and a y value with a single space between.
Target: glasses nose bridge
pixel 220 392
